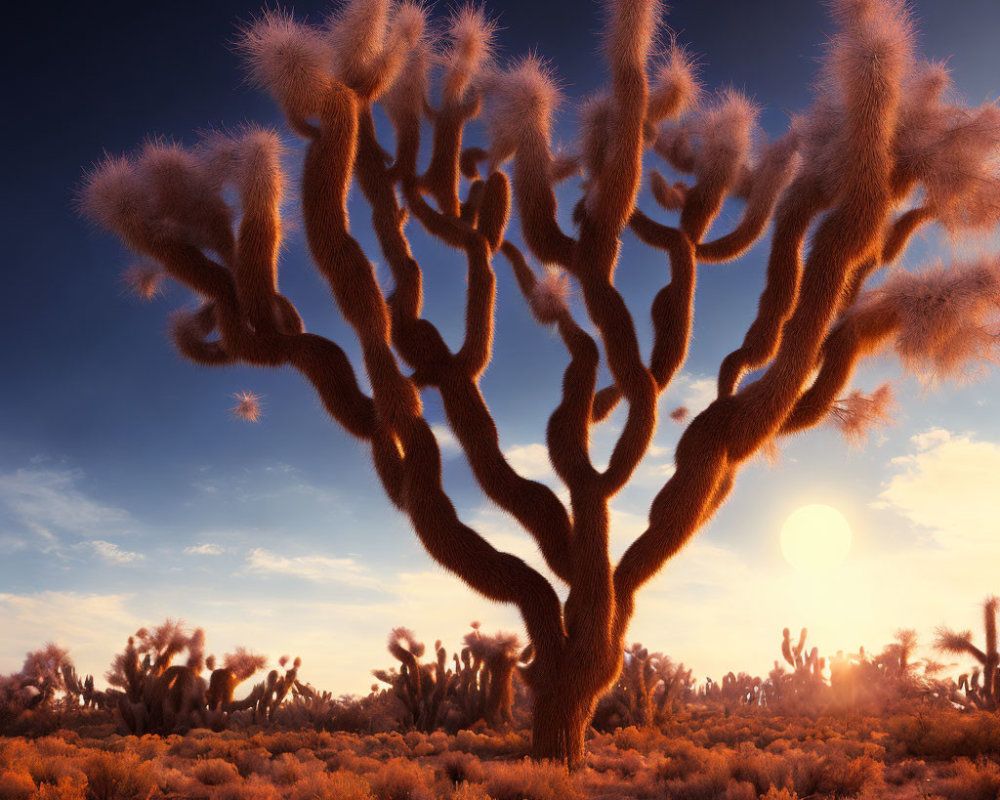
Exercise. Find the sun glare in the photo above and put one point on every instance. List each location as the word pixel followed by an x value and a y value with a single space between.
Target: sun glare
pixel 815 538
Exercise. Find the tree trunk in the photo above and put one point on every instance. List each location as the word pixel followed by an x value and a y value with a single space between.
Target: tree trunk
pixel 559 719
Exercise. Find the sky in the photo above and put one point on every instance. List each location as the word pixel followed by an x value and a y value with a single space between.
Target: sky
pixel 129 494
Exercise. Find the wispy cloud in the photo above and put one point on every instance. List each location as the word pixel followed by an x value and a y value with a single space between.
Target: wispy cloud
pixel 320 569
pixel 276 482
pixel 531 461
pixel 49 505
pixel 112 553
pixel 207 549
pixel 697 393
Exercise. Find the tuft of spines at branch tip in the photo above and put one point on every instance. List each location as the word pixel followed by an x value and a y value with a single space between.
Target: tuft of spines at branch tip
pixel 184 197
pixel 290 59
pixel 722 132
pixel 630 30
pixel 550 297
pixel 470 49
pixel 875 36
pixel 113 196
pixel 357 33
pixel 404 100
pixel 521 102
pixel 859 413
pixel 960 169
pixel 250 160
pixel 370 41
pixel 955 642
pixel 947 316
pixel 674 87
pixel 248 407
pixel 858 107
pixel 404 639
pixel 244 663
pixel 196 650
pixel 143 280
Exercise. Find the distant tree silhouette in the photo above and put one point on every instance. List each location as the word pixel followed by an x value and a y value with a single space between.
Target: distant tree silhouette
pixel 882 152
pixel 987 695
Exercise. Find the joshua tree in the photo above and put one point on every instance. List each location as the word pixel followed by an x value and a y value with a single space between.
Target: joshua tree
pixel 880 153
pixel 988 696
pixel 236 668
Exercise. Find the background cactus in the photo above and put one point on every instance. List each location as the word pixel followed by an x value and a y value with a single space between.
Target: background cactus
pixel 984 694
pixel 479 687
pixel 154 695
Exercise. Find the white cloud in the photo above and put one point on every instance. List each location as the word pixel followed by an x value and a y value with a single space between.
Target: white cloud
pixel 699 394
pixel 531 461
pixel 207 549
pixel 321 569
pixel 446 440
pixel 112 553
pixel 269 484
pixel 949 486
pixel 49 505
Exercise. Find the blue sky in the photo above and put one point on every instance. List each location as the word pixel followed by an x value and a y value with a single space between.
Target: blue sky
pixel 129 494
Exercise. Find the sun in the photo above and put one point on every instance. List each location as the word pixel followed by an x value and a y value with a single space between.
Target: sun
pixel 815 538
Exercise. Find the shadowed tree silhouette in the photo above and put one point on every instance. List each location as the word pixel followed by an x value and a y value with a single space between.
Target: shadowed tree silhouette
pixel 987 695
pixel 882 152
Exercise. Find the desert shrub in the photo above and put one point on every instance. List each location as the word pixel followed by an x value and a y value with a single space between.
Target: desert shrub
pixel 253 761
pixel 905 772
pixel 401 779
pixel 778 746
pixel 339 785
pixel 188 747
pixel 681 758
pixel 54 746
pixel 527 780
pixel 460 767
pixel 709 782
pixel 644 740
pixel 779 794
pixel 739 790
pixel 286 769
pixel 215 772
pixel 626 763
pixel 947 735
pixel 287 741
pixel 254 788
pixel 147 747
pixel 174 781
pixel 389 744
pixel 834 775
pixel 965 780
pixel 118 776
pixel 846 777
pixel 468 791
pixel 762 770
pixel 66 788
pixel 52 769
pixel 484 744
pixel 16 784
